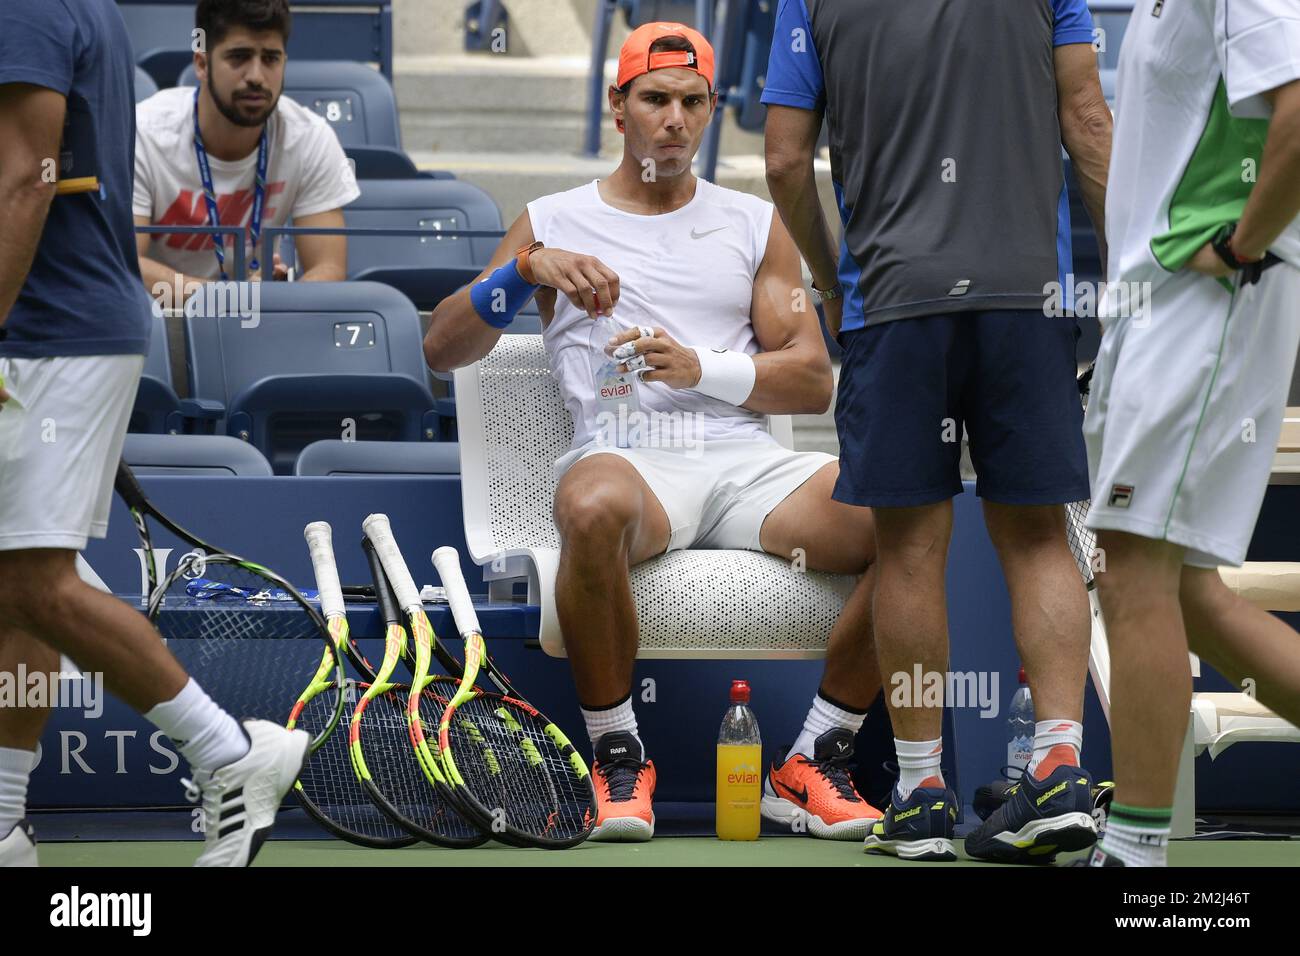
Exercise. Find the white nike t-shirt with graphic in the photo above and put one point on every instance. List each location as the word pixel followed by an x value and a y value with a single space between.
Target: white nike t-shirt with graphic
pixel 307 173
pixel 690 272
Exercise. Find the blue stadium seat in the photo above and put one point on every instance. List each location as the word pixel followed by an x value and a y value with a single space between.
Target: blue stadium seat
pixel 382 162
pixel 193 455
pixel 157 409
pixel 145 87
pixel 315 360
pixel 349 458
pixel 355 100
pixel 429 268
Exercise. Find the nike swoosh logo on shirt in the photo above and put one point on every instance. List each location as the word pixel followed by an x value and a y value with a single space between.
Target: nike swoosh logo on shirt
pixel 701 235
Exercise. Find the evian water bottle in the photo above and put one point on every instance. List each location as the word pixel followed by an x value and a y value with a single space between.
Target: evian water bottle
pixel 618 405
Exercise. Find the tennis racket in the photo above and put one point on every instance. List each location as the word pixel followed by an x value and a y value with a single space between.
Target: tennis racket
pixel 383 758
pixel 328 789
pixel 519 771
pixel 1083 545
pixel 250 652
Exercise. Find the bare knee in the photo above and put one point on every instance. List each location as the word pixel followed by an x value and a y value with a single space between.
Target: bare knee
pixel 34 584
pixel 914 540
pixel 1021 529
pixel 596 516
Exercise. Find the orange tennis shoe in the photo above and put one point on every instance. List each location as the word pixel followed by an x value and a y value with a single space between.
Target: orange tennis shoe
pixel 818 793
pixel 625 789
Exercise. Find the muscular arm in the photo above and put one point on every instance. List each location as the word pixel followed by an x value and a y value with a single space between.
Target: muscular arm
pixel 793 371
pixel 790 144
pixel 457 335
pixel 322 258
pixel 31 125
pixel 164 283
pixel 1086 127
pixel 1275 200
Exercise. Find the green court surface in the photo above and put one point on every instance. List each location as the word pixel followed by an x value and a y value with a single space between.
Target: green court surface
pixel 667 851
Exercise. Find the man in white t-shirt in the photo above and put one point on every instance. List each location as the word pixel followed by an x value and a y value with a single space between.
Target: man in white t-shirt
pixel 243 121
pixel 707 283
pixel 1201 323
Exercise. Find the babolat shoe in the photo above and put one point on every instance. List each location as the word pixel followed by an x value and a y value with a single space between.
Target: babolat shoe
pixel 918 828
pixel 1039 819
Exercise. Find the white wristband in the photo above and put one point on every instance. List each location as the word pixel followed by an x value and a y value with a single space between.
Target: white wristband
pixel 725 375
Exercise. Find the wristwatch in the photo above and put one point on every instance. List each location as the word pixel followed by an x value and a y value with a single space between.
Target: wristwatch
pixel 834 292
pixel 1222 244
pixel 521 259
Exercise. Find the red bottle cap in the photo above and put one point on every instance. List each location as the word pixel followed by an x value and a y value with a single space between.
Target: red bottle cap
pixel 1022 678
pixel 740 692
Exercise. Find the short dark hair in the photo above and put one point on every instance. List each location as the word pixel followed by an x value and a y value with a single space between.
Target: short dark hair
pixel 665 45
pixel 216 17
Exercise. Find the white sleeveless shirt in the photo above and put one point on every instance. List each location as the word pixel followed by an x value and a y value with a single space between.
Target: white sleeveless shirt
pixel 690 272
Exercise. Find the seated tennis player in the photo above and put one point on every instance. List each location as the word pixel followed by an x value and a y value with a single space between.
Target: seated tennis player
pixel 706 281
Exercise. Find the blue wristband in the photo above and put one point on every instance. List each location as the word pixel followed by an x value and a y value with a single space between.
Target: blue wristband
pixel 502 294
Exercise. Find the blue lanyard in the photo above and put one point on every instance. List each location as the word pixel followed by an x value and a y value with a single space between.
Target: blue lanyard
pixel 210 195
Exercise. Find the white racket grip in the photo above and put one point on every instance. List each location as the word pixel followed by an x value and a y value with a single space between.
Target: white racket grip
pixel 320 544
pixel 380 533
pixel 447 561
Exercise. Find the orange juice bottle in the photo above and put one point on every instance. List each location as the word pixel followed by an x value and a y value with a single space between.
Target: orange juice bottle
pixel 740 773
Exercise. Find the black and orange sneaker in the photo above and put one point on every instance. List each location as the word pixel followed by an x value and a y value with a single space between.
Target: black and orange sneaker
pixel 816 795
pixel 625 789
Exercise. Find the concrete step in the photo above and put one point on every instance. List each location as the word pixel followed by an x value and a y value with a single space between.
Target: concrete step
pixel 469 103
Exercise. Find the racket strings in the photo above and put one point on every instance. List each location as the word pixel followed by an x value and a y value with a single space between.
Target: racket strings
pixel 515 771
pixel 329 786
pixel 398 778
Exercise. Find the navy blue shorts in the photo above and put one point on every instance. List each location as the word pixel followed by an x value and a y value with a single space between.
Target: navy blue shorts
pixel 908 386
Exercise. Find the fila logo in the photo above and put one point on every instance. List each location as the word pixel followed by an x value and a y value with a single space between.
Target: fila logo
pixel 1159 8
pixel 961 288
pixel 1121 496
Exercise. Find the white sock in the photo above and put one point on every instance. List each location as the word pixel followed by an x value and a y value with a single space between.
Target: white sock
pixel 15 770
pixel 1051 733
pixel 206 735
pixel 823 716
pixel 1136 845
pixel 917 760
pixel 606 720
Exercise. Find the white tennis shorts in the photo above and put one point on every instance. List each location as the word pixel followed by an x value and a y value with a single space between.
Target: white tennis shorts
pixel 717 494
pixel 61 435
pixel 1186 411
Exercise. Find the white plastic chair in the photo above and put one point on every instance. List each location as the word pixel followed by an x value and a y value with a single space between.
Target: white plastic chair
pixel 690 604
pixel 1219 720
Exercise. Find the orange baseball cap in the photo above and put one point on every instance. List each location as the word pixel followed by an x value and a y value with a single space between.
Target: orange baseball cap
pixel 635 58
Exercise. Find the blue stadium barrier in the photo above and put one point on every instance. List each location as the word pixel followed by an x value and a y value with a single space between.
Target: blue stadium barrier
pixel 356 30
pixel 194 455
pixel 115 759
pixel 357 102
pixel 310 361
